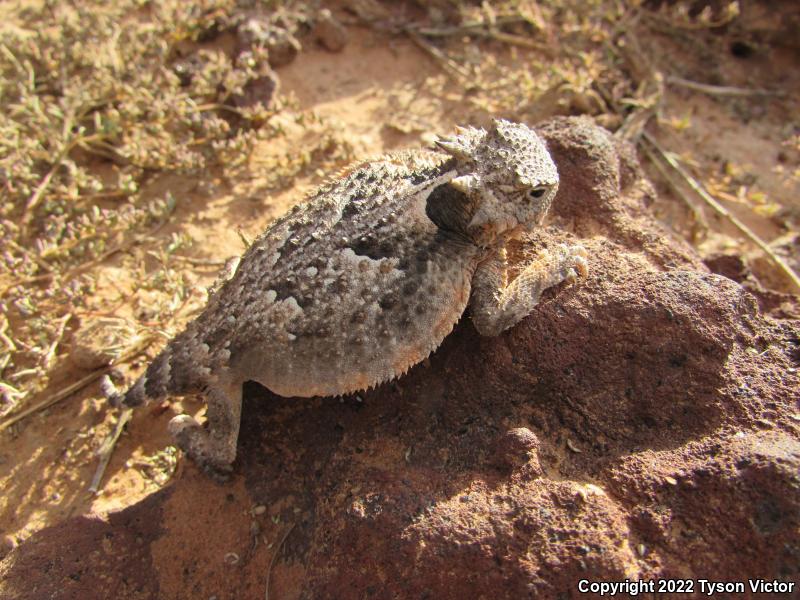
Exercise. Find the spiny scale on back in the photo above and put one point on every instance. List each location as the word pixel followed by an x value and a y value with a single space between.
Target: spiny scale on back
pixel 361 282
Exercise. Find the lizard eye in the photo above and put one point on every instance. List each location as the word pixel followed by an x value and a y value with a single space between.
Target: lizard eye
pixel 537 192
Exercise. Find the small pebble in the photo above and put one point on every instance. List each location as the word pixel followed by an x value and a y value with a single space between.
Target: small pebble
pixel 329 32
pixel 281 45
pixel 515 448
pixel 573 447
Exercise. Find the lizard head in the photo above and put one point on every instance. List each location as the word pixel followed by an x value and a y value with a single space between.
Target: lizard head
pixel 508 176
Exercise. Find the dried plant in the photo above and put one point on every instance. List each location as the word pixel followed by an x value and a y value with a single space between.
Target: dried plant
pixel 96 101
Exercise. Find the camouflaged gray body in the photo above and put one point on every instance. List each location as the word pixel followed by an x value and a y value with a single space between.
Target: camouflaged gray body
pixel 342 293
pixel 365 279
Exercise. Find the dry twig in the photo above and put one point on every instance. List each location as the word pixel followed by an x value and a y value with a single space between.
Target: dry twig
pixel 197 262
pixel 37 259
pixel 518 40
pixel 75 271
pixel 468 27
pixel 66 392
pixel 51 351
pixel 78 385
pixel 274 558
pixel 107 449
pixel 720 90
pixel 447 63
pixel 38 193
pixel 694 208
pixel 722 211
pixel 482 29
pixel 671 25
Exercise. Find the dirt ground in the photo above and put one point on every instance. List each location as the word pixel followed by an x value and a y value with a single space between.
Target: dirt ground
pixel 383 91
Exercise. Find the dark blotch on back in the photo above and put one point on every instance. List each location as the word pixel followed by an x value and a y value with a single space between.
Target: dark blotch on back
pixel 351 208
pixel 284 287
pixel 432 172
pixel 304 301
pixel 421 177
pixel 354 206
pixel 372 247
pixel 388 301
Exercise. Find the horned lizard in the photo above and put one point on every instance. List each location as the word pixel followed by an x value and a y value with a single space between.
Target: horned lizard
pixel 365 280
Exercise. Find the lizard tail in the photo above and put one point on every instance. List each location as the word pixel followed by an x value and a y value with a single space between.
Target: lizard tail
pixel 157 382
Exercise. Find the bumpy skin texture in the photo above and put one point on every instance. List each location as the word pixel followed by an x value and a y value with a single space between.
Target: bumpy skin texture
pixel 365 280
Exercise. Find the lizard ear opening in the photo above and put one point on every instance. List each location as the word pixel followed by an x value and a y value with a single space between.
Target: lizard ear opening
pixel 449 208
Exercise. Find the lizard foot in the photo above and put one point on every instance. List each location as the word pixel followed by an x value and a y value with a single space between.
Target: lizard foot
pixel 570 263
pixel 199 445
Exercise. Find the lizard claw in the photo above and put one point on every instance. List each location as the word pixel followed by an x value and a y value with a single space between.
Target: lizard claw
pixel 581 264
pixel 573 263
pixel 579 251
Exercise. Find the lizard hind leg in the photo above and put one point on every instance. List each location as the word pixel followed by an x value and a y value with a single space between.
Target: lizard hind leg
pixel 213 447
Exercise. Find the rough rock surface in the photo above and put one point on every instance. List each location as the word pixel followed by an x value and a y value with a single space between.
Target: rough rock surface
pixel 643 424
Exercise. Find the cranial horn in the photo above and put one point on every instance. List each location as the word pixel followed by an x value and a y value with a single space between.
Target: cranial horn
pixel 504 127
pixel 454 146
pixel 501 122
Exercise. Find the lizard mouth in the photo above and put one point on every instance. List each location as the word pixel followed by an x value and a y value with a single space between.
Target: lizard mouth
pixel 490 234
pixel 516 233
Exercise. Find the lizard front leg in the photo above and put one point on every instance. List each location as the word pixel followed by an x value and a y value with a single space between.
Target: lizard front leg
pixel 496 305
